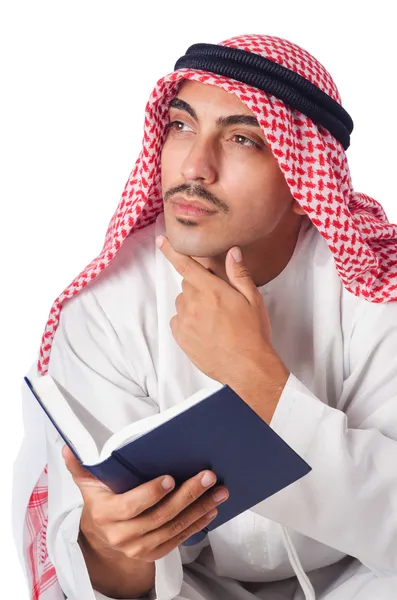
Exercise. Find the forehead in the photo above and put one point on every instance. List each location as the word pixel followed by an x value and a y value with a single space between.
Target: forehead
pixel 202 96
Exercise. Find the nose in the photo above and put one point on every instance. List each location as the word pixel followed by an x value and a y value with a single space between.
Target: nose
pixel 200 163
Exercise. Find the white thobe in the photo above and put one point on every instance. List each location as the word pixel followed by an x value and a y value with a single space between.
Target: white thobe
pixel 114 351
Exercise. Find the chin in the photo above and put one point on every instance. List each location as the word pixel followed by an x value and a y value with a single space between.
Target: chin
pixel 193 237
pixel 186 237
pixel 192 245
pixel 191 248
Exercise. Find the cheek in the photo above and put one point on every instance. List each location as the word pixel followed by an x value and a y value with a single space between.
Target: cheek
pixel 172 157
pixel 257 179
pixel 257 195
pixel 165 164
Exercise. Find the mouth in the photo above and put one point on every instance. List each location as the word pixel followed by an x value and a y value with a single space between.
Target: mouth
pixel 189 208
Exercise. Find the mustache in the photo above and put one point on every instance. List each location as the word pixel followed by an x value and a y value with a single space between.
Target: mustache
pixel 196 191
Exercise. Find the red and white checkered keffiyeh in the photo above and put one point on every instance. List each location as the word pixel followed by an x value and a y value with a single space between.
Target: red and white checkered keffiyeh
pixel 355 226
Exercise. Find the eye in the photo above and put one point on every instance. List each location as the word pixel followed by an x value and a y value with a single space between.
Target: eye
pixel 241 140
pixel 177 126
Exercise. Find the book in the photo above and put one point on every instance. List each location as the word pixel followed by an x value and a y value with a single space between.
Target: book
pixel 212 430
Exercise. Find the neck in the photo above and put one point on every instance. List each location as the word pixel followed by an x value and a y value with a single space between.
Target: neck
pixel 265 259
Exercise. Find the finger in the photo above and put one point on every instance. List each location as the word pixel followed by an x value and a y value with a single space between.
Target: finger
pixel 186 266
pixel 187 494
pixel 174 542
pixel 201 507
pixel 123 507
pixel 174 326
pixel 188 288
pixel 239 275
pixel 155 529
pixel 179 303
pixel 151 550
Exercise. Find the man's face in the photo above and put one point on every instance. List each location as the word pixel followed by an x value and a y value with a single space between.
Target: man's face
pixel 216 154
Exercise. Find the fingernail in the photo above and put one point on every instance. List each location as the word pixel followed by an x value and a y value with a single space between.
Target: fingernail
pixel 219 495
pixel 159 241
pixel 212 514
pixel 167 483
pixel 207 479
pixel 236 252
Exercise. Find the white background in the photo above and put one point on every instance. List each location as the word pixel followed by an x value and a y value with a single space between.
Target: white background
pixel 75 77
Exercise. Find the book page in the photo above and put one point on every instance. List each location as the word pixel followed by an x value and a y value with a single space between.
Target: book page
pixel 51 397
pixel 93 441
pixel 97 430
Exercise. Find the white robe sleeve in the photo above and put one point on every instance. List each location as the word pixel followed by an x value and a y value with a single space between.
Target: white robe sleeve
pixel 349 499
pixel 87 359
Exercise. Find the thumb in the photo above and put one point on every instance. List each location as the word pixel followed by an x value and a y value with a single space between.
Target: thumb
pixel 238 274
pixel 86 482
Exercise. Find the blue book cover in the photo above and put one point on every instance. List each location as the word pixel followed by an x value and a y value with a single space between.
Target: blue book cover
pixel 221 433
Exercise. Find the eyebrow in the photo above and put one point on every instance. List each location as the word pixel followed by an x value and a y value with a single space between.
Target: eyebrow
pixel 221 121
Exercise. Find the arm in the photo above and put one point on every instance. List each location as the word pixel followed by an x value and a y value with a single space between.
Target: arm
pixel 87 359
pixel 349 500
pixel 83 565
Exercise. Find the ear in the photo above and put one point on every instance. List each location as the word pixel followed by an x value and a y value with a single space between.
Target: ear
pixel 297 209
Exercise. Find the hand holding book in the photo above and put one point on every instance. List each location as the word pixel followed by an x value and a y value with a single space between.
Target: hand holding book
pixel 210 431
pixel 148 522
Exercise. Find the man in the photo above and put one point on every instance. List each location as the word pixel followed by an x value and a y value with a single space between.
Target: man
pixel 240 255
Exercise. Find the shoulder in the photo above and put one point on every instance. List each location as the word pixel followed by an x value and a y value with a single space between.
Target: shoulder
pixel 370 336
pixel 364 324
pixel 358 315
pixel 133 267
pixel 111 325
pixel 370 319
pixel 127 287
